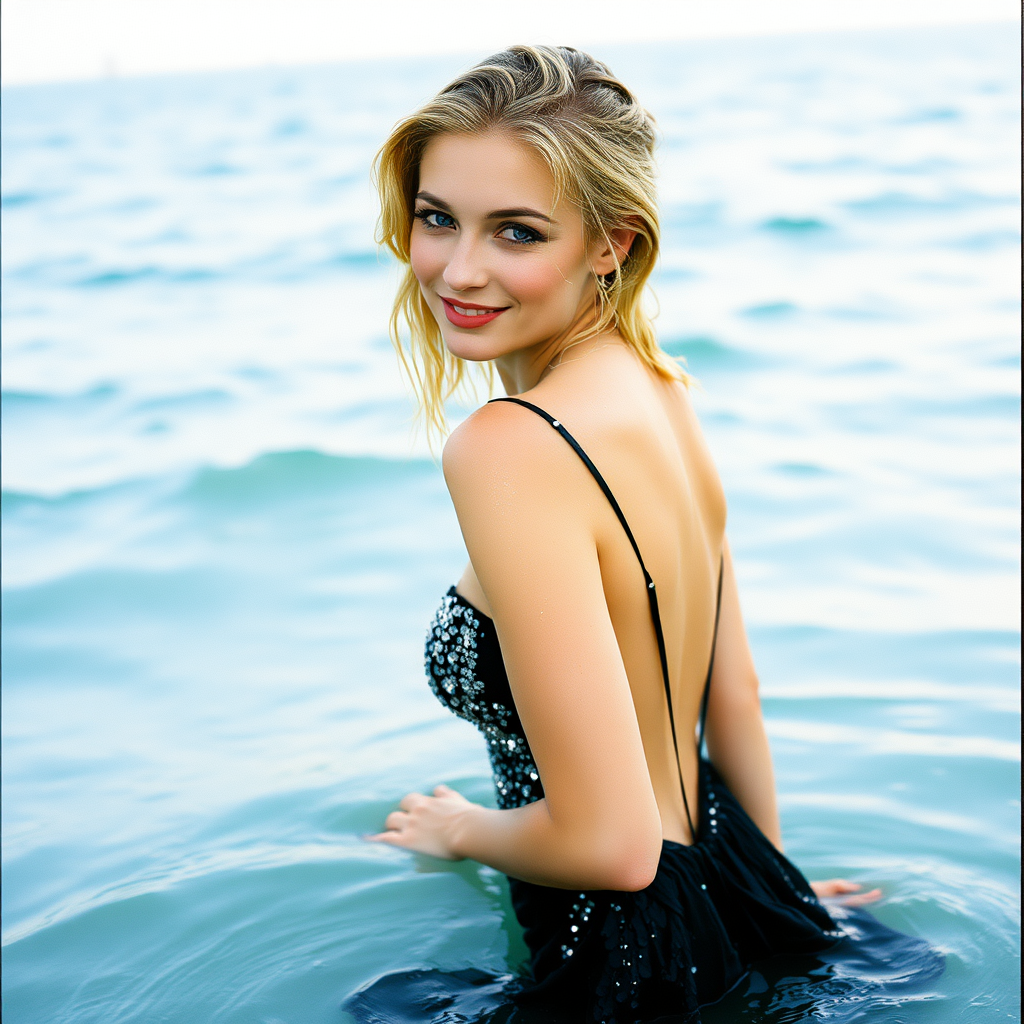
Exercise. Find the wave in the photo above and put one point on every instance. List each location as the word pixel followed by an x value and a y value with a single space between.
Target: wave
pixel 892 741
pixel 291 474
pixel 706 353
pixel 293 541
pixel 929 115
pixel 804 469
pixel 27 197
pixel 15 401
pixel 985 241
pixel 116 276
pixel 896 204
pixel 796 226
pixel 203 398
pixel 285 264
pixel 770 310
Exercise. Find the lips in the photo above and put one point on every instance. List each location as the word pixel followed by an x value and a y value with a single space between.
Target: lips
pixel 469 314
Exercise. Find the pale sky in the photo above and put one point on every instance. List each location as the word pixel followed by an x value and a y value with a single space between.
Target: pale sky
pixel 61 40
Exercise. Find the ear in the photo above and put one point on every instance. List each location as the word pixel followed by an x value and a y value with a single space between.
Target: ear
pixel 604 257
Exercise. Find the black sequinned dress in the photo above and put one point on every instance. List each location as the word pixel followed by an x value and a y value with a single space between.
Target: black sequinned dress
pixel 715 907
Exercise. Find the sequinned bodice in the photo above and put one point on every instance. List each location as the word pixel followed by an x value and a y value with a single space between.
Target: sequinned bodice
pixel 467 675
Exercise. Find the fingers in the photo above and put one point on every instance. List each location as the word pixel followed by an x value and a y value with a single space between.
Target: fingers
pixel 395 824
pixel 390 838
pixel 863 898
pixel 396 821
pixel 411 801
pixel 849 891
pixel 842 885
pixel 834 887
pixel 403 827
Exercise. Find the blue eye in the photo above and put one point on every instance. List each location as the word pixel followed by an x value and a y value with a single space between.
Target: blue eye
pixel 435 219
pixel 520 234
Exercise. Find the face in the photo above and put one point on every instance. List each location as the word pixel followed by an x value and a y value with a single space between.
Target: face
pixel 502 270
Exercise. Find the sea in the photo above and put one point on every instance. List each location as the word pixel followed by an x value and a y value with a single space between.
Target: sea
pixel 224 536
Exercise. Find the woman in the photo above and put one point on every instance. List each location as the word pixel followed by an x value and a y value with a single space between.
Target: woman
pixel 595 636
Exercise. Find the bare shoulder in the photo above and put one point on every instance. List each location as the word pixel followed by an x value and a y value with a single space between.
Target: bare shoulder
pixel 499 440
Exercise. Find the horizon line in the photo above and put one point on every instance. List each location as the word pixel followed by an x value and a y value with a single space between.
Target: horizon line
pixel 54 41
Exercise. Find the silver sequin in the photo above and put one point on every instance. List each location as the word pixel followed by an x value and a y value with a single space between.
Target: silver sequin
pixel 451 663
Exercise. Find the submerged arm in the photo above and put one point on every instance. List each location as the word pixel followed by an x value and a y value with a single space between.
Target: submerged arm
pixel 737 742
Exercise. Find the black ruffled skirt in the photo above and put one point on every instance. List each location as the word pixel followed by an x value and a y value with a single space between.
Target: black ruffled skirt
pixel 714 909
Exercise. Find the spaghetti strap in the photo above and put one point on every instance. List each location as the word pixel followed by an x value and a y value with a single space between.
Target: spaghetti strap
pixel 711 659
pixel 652 598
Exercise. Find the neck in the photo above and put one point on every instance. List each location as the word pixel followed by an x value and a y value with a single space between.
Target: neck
pixel 524 369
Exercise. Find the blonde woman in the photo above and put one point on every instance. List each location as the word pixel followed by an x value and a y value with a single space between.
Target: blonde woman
pixel 595 636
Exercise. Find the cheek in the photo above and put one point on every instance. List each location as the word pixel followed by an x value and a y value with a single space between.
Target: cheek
pixel 426 258
pixel 535 281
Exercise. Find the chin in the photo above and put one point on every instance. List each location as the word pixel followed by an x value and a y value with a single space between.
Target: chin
pixel 464 348
pixel 470 345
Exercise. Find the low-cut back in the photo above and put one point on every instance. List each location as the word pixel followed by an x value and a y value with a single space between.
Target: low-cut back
pixel 728 900
pixel 652 600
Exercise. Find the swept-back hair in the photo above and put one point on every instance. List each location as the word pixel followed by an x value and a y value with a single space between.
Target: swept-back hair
pixel 597 141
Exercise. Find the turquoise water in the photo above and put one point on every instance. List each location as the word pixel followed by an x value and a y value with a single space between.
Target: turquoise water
pixel 222 548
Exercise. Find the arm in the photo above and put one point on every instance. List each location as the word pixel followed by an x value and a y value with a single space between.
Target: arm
pixel 526 508
pixel 737 742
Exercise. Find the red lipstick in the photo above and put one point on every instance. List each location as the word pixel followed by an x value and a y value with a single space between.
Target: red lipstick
pixel 485 316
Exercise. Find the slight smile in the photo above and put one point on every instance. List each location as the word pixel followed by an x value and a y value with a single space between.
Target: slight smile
pixel 470 314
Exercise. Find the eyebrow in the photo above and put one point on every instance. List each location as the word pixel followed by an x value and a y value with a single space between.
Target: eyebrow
pixel 518 211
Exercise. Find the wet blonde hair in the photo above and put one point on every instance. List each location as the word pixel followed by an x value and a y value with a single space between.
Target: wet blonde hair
pixel 598 143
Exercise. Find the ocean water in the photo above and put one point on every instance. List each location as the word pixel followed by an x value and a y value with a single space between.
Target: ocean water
pixel 222 543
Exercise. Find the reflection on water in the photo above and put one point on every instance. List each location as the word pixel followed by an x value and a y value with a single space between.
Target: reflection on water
pixel 222 549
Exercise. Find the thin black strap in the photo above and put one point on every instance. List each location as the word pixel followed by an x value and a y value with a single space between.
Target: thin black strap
pixel 652 595
pixel 711 660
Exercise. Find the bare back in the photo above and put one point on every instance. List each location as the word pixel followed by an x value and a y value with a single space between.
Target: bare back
pixel 644 437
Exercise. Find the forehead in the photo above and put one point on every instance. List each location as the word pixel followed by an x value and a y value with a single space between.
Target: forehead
pixel 489 172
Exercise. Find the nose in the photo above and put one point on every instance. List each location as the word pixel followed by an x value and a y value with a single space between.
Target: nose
pixel 466 269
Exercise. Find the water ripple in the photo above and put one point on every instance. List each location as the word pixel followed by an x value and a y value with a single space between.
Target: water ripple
pixel 222 545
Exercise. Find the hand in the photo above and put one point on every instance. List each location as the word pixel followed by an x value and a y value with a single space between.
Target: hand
pixel 426 824
pixel 850 893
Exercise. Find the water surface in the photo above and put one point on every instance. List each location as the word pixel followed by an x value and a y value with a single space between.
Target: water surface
pixel 222 549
